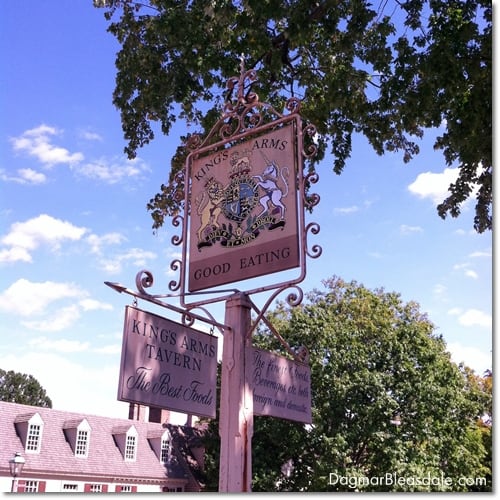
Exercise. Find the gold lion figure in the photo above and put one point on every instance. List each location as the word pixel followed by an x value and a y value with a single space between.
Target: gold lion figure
pixel 209 205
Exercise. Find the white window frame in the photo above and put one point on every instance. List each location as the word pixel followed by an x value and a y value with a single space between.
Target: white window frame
pixel 130 448
pixel 70 487
pixel 31 486
pixel 82 443
pixel 33 437
pixel 165 449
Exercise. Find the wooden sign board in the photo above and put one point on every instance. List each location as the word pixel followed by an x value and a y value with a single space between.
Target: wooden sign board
pixel 167 365
pixel 281 387
pixel 243 217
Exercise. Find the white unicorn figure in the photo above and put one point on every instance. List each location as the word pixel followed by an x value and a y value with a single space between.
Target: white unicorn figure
pixel 268 182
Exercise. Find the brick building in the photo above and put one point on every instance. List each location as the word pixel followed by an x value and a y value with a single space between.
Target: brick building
pixel 74 452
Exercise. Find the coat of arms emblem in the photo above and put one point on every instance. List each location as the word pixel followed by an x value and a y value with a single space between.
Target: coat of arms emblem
pixel 235 214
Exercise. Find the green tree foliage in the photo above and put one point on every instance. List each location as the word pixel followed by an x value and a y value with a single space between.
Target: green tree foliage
pixel 386 400
pixel 23 389
pixel 388 70
pixel 483 431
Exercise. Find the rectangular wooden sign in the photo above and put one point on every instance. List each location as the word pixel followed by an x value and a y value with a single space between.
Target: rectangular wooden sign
pixel 167 365
pixel 243 218
pixel 281 387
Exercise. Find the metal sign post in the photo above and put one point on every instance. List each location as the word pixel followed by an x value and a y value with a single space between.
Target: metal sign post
pixel 244 203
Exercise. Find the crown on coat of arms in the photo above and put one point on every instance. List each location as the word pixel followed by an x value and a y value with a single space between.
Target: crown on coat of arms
pixel 240 164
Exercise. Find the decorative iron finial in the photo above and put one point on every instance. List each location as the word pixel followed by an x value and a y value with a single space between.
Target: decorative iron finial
pixel 242 63
pixel 245 76
pixel 241 98
pixel 243 112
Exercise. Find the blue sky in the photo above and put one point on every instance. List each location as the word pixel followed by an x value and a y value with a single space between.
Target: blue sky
pixel 73 215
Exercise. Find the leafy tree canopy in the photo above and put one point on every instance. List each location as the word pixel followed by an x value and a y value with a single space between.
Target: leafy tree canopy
pixel 386 399
pixel 23 389
pixel 388 70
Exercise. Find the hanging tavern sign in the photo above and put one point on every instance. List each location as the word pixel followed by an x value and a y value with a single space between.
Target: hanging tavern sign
pixel 167 365
pixel 244 210
pixel 245 194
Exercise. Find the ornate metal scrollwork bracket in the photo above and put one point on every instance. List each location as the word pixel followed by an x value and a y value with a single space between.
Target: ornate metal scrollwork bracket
pixel 243 116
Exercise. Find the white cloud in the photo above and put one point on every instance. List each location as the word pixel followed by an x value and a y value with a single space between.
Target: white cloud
pixel 135 256
pixel 109 349
pixel 404 229
pixel 113 171
pixel 486 253
pixel 15 254
pixel 62 345
pixel 472 317
pixel 27 298
pixel 471 274
pixel 475 317
pixel 432 185
pixel 36 142
pixel 138 256
pixel 72 386
pixel 471 356
pixel 96 242
pixel 24 176
pixel 439 290
pixel 61 319
pixel 24 237
pixel 172 255
pixel 93 305
pixel 32 176
pixel 110 266
pixel 88 135
pixel 346 210
pixel 33 300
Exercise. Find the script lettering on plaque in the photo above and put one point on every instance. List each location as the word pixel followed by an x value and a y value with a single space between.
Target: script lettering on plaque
pixel 167 365
pixel 281 387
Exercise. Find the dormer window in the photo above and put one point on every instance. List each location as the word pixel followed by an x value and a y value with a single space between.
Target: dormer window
pixel 34 438
pixel 126 440
pixel 82 443
pixel 29 428
pixel 161 443
pixel 77 434
pixel 130 448
pixel 165 449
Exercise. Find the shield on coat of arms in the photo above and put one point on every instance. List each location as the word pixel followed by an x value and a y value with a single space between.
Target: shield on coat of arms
pixel 241 195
